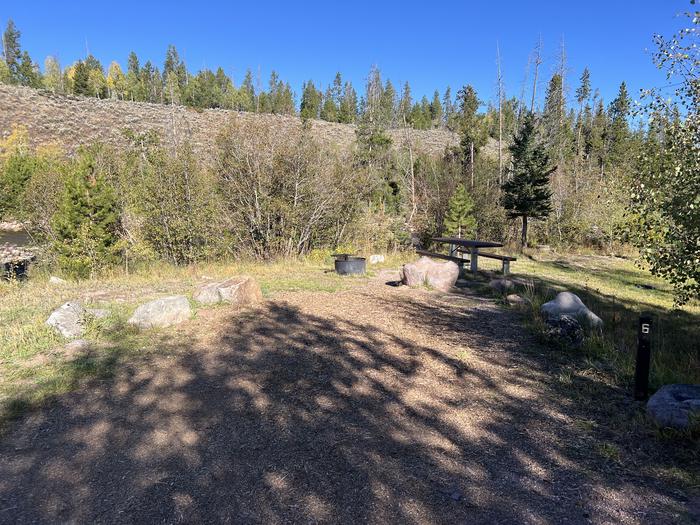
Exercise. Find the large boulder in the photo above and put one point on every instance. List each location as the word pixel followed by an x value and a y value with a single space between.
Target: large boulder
pixel 162 313
pixel 68 319
pixel 439 275
pixel 567 303
pixel 239 291
pixel 675 406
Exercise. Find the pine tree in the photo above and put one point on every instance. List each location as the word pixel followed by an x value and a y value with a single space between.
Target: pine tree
pixel 619 128
pixel 583 93
pixel 133 79
pixel 247 92
pixel 310 107
pixel 526 193
pixel 28 72
pixel 405 104
pixel 87 220
pixel 448 108
pixel 329 110
pixel 388 105
pixel 347 112
pixel 12 52
pixel 553 117
pixel 81 79
pixel 459 219
pixel 436 110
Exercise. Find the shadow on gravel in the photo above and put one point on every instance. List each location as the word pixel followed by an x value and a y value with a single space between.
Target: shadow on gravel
pixel 292 418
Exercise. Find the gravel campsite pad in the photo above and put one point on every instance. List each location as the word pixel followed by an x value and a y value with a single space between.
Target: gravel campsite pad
pixel 374 404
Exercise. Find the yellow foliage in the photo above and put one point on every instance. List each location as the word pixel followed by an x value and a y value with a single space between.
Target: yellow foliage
pixel 16 142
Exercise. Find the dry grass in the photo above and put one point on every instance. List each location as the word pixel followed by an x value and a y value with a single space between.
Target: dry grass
pixel 34 364
pixel 618 291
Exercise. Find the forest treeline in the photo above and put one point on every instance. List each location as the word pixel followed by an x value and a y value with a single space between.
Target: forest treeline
pixel 572 173
pixel 173 83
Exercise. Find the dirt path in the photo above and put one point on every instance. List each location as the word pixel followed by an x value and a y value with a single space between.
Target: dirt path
pixel 372 405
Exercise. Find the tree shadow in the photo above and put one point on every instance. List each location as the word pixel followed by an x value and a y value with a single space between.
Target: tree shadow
pixel 443 413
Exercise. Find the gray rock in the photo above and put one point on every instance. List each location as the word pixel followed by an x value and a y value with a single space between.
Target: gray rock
pixel 502 285
pixel 567 303
pixel 56 280
pixel 425 271
pixel 68 319
pixel 162 313
pixel 376 259
pixel 239 291
pixel 565 330
pixel 675 406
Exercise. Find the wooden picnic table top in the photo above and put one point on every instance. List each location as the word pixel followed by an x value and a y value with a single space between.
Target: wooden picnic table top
pixel 468 242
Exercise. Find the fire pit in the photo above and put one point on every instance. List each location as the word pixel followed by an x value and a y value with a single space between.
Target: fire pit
pixel 347 264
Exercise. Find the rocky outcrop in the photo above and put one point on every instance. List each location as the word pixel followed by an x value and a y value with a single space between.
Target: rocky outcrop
pixel 675 406
pixel 425 271
pixel 239 291
pixel 162 313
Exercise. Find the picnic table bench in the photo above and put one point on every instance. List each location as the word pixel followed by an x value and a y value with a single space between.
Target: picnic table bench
pixel 471 247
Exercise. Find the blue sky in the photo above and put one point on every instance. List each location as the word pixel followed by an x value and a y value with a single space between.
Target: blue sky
pixel 430 44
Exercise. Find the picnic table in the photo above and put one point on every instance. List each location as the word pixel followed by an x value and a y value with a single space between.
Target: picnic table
pixel 459 245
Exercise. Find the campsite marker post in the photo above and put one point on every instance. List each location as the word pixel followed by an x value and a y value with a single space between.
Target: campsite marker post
pixel 641 372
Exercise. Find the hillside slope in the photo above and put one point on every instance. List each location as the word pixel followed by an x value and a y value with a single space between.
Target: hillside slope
pixel 69 122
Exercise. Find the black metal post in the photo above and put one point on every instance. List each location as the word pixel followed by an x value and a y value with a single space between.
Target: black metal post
pixel 641 373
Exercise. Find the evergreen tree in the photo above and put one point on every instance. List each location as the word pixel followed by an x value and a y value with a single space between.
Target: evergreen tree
pixel 310 107
pixel 329 111
pixel 347 112
pixel 28 72
pixel 12 52
pixel 466 120
pixel 619 131
pixel 526 193
pixel 388 105
pixel 405 104
pixel 448 108
pixel 133 79
pixel 247 92
pixel 436 110
pixel 81 79
pixel 554 117
pixel 336 90
pixel 87 220
pixel 583 93
pixel 459 219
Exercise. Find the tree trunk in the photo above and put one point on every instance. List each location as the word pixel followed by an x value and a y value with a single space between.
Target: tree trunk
pixel 471 161
pixel 523 238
